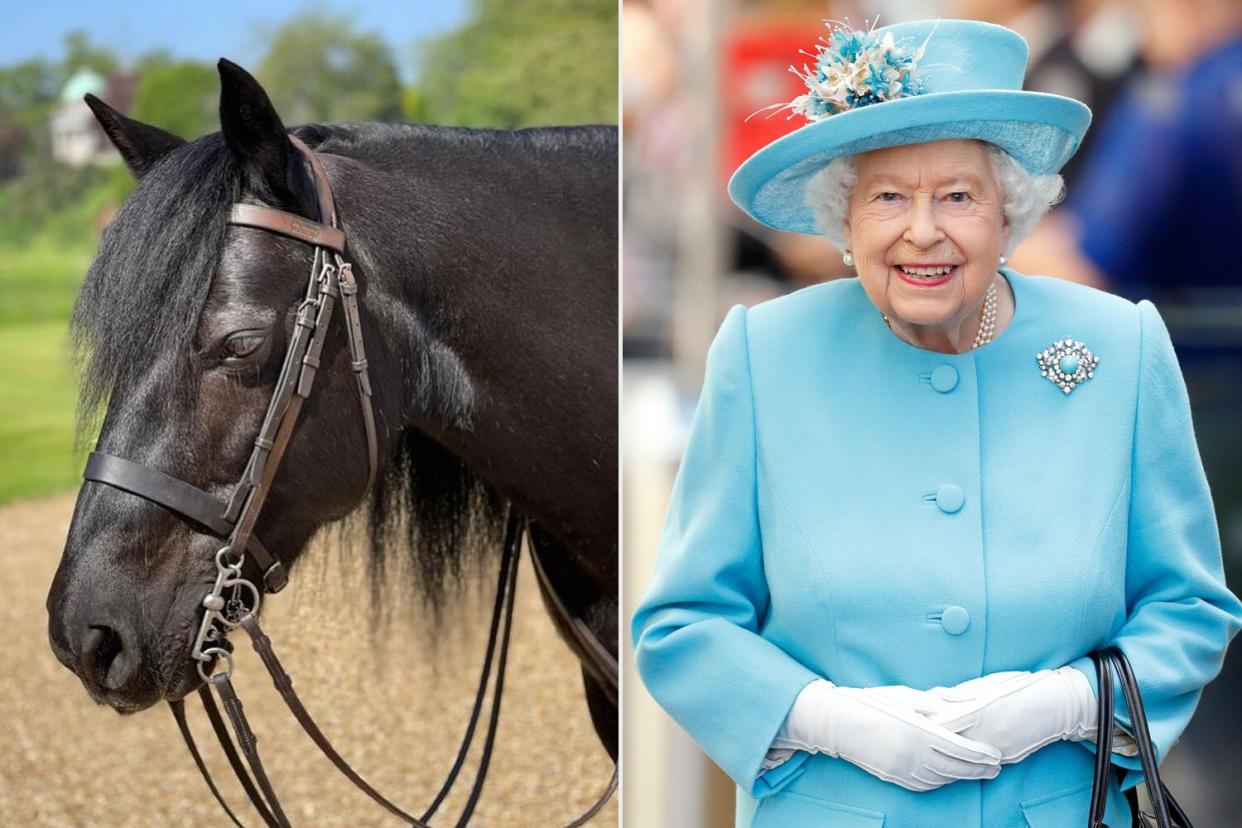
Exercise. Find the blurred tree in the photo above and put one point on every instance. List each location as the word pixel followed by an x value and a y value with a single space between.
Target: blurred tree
pixel 519 64
pixel 320 69
pixel 80 54
pixel 48 196
pixel 413 104
pixel 29 83
pixel 180 97
pixel 12 141
pixel 157 58
pixel 28 92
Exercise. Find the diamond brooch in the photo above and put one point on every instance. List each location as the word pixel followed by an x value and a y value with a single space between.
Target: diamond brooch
pixel 1067 364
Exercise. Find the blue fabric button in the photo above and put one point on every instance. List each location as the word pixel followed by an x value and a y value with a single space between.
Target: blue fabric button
pixel 950 498
pixel 955 620
pixel 944 378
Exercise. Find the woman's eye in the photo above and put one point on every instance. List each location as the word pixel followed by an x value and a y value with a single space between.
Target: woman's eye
pixel 959 197
pixel 241 346
pixel 889 196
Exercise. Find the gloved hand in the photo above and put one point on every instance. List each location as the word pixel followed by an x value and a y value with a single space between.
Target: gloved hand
pixel 1019 711
pixel 925 702
pixel 948 703
pixel 960 709
pixel 884 737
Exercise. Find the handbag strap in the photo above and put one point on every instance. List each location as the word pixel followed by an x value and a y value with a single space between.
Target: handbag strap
pixel 1167 812
pixel 1103 741
pixel 1142 736
pixel 1134 700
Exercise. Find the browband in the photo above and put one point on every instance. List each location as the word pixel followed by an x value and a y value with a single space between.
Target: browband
pixel 288 224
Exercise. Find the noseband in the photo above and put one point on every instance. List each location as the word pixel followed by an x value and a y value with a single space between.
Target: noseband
pixel 234 599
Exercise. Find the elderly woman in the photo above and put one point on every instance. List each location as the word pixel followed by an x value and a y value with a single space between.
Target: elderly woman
pixel 912 503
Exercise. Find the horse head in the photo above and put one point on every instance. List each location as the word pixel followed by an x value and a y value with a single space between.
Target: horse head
pixel 486 268
pixel 182 324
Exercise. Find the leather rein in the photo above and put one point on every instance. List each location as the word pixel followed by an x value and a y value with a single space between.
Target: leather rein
pixel 235 597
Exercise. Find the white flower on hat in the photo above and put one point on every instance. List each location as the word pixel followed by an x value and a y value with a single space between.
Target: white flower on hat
pixel 854 68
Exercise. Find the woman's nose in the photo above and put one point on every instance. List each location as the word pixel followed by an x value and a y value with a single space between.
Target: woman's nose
pixel 924 227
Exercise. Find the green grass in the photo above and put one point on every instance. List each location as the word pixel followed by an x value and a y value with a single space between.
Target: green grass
pixel 39 279
pixel 49 222
pixel 37 398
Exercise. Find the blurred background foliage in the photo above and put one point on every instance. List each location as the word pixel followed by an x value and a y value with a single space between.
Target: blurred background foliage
pixel 319 68
pixel 509 67
pixel 508 64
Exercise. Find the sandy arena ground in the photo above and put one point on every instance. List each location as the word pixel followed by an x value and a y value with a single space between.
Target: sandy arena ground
pixel 394 705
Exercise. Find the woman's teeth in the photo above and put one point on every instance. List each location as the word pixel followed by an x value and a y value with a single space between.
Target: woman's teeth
pixel 930 272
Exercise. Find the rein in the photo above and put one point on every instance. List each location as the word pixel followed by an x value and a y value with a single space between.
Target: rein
pixel 234 599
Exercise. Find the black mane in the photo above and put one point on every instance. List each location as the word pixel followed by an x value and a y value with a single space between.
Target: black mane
pixel 433 511
pixel 146 287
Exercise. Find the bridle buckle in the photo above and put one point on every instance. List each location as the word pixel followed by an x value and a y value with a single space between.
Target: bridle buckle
pixel 275 577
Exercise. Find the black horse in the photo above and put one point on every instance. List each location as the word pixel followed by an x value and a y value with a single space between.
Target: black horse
pixel 487 261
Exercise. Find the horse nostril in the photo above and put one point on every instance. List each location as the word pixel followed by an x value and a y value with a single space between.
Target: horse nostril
pixel 104 663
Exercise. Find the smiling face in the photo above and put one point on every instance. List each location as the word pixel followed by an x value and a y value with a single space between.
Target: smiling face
pixel 926 228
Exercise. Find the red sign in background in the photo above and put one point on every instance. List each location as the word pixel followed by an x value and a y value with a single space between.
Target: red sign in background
pixel 756 74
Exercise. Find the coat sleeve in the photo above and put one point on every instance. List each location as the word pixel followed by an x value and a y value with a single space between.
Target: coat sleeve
pixel 696 630
pixel 1180 616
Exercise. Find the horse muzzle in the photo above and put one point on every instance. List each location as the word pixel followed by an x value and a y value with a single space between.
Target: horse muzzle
pixel 120 660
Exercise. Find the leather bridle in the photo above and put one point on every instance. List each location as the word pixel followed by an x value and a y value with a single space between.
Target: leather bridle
pixel 331 277
pixel 234 598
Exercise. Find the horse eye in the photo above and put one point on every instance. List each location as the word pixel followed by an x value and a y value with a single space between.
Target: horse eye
pixel 240 346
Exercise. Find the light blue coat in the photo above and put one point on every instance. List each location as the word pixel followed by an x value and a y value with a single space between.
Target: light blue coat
pixel 854 507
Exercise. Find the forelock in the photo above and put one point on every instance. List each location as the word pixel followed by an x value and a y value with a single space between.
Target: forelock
pixel 144 291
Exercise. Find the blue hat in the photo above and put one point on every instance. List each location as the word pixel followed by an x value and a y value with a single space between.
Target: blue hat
pixel 925 80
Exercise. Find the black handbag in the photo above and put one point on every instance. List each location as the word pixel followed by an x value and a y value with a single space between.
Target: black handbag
pixel 1167 813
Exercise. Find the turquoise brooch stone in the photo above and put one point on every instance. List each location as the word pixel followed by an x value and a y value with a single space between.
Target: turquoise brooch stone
pixel 1067 363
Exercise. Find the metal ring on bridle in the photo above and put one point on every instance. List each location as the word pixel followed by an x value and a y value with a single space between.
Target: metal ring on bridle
pixel 217 654
pixel 225 566
pixel 253 609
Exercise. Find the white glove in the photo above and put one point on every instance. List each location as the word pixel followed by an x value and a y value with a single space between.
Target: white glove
pixel 925 702
pixel 882 736
pixel 1020 711
pixel 1023 712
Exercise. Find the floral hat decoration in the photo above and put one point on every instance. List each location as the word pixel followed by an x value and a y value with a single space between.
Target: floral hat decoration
pixel 907 83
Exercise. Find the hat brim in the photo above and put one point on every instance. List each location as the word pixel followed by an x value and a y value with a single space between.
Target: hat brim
pixel 1041 131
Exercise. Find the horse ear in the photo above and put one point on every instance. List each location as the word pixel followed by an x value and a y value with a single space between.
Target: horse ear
pixel 253 130
pixel 140 145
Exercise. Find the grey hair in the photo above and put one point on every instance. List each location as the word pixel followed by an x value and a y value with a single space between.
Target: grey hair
pixel 1026 197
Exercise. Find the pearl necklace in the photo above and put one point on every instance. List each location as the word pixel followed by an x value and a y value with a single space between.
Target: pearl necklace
pixel 987 323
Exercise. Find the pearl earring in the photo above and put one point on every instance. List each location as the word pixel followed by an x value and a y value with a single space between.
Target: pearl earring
pixel 848 258
pixel 1003 261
